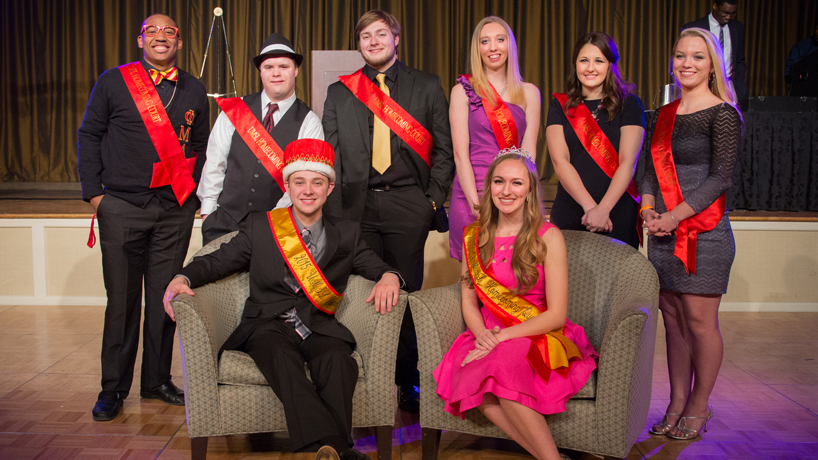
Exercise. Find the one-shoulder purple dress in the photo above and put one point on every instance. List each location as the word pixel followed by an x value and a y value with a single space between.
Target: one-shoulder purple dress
pixel 483 147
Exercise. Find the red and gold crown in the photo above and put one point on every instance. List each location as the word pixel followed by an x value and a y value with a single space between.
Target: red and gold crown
pixel 309 155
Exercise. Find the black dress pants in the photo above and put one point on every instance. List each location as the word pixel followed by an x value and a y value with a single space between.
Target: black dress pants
pixel 395 225
pixel 314 410
pixel 139 245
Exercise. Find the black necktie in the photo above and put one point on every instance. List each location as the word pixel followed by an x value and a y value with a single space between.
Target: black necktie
pixel 306 236
pixel 721 35
pixel 268 122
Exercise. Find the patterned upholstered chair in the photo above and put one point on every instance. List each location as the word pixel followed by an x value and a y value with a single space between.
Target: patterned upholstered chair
pixel 613 294
pixel 230 395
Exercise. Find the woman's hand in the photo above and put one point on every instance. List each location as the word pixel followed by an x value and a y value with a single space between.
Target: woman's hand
pixel 487 339
pixel 484 342
pixel 597 220
pixel 663 225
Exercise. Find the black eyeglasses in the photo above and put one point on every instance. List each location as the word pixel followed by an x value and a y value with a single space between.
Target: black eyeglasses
pixel 151 30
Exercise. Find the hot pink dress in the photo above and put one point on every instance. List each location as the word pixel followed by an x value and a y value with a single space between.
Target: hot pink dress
pixel 505 371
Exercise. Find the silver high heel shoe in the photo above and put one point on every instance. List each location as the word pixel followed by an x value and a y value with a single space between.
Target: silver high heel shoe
pixel 663 426
pixel 690 433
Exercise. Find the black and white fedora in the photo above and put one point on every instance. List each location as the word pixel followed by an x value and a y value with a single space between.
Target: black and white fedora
pixel 276 44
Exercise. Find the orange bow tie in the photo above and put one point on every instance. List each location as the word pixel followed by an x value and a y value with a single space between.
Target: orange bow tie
pixel 157 76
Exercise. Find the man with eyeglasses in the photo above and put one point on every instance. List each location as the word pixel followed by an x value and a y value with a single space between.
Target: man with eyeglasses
pixel 730 33
pixel 141 149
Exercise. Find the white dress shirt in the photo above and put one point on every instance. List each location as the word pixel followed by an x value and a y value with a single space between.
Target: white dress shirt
pixel 218 148
pixel 728 48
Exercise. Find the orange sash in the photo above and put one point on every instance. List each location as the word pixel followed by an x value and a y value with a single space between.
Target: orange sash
pixel 686 234
pixel 595 142
pixel 253 134
pixel 391 114
pixel 173 167
pixel 501 120
pixel 300 261
pixel 551 351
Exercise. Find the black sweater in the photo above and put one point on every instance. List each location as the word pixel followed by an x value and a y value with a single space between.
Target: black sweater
pixel 116 154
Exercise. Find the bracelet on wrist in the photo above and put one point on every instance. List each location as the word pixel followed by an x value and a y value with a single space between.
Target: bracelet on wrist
pixel 642 209
pixel 674 220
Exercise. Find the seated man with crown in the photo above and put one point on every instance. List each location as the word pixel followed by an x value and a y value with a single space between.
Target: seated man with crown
pixel 299 260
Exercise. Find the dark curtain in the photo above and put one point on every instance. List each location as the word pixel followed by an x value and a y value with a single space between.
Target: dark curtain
pixel 53 51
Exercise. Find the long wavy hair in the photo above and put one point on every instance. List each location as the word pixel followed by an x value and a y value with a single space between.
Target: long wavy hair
pixel 718 82
pixel 615 89
pixel 529 249
pixel 479 81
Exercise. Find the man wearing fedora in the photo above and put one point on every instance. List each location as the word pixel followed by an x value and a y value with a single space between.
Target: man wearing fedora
pixel 239 176
pixel 287 321
pixel 389 125
pixel 141 151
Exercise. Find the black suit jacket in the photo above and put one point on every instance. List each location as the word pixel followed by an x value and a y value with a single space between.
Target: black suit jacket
pixel 255 249
pixel 346 128
pixel 737 48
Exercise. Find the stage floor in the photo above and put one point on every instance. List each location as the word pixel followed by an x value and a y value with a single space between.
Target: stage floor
pixel 765 400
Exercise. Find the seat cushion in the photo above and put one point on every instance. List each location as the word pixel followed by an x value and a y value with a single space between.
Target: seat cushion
pixel 238 368
pixel 588 391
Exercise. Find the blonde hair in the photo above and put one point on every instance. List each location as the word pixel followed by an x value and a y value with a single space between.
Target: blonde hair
pixel 479 81
pixel 529 249
pixel 718 85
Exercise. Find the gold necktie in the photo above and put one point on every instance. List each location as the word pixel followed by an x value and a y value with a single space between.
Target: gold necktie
pixel 381 143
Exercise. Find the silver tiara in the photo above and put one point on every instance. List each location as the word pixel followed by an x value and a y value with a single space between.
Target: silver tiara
pixel 515 151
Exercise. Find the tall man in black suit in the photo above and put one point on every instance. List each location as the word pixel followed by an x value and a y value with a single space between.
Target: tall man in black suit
pixel 730 32
pixel 281 327
pixel 141 150
pixel 394 177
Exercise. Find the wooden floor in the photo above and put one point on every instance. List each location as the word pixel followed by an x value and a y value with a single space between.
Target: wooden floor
pixel 765 402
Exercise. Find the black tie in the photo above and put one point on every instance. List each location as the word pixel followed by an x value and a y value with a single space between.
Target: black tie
pixel 306 236
pixel 721 36
pixel 268 122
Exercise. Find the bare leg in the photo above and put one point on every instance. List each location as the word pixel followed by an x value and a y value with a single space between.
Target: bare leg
pixel 492 410
pixel 701 314
pixel 533 428
pixel 678 352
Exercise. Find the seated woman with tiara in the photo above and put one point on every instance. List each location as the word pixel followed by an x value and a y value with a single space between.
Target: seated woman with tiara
pixel 520 357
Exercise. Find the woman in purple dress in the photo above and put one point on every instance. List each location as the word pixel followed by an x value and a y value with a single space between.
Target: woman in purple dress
pixel 493 102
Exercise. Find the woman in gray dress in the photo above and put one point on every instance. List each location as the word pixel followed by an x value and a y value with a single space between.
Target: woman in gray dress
pixel 694 149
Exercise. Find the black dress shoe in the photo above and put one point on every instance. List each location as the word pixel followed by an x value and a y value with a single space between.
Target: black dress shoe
pixel 106 408
pixel 408 398
pixel 167 393
pixel 353 454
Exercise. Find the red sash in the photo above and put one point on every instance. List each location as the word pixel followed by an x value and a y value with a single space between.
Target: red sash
pixel 689 228
pixel 595 142
pixel 391 114
pixel 255 136
pixel 501 120
pixel 173 164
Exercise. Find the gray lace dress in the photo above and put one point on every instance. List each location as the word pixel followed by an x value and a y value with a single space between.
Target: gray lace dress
pixel 705 148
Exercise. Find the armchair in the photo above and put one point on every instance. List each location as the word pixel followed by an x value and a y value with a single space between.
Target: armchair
pixel 614 295
pixel 229 395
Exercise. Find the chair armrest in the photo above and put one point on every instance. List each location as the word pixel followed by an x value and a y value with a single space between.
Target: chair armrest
pixel 438 321
pixel 196 327
pixel 376 337
pixel 626 358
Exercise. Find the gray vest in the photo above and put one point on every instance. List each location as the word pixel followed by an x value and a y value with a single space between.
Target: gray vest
pixel 248 186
